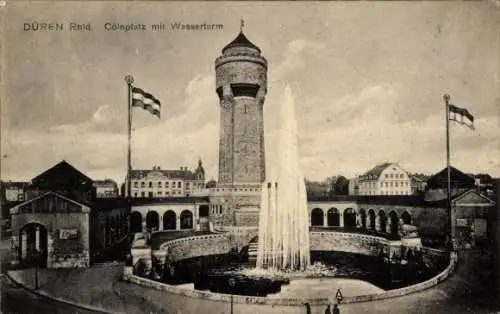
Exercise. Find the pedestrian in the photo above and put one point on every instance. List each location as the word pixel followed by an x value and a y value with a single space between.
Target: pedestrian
pixel 328 310
pixel 308 307
pixel 336 309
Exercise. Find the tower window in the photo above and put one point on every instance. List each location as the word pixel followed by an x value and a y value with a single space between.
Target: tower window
pixel 244 90
pixel 219 92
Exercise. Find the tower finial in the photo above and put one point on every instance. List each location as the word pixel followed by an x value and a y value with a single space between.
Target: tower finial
pixel 241 25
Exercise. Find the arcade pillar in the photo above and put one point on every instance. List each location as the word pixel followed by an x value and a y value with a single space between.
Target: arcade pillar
pixel 24 244
pixel 37 238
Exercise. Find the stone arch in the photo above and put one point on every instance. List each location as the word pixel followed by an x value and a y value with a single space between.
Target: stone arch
pixel 203 211
pixel 394 223
pixel 371 218
pixel 135 222
pixel 382 221
pixel 349 217
pixel 333 217
pixel 362 215
pixel 33 250
pixel 107 231
pixel 186 219
pixel 152 220
pixel 317 217
pixel 406 217
pixel 169 220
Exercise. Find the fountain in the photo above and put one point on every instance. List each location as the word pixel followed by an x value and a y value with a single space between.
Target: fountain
pixel 287 266
pixel 283 221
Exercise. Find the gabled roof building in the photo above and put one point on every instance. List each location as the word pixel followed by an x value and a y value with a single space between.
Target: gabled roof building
pixel 159 183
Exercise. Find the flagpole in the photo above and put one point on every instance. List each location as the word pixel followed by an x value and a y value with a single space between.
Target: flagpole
pixel 446 98
pixel 129 79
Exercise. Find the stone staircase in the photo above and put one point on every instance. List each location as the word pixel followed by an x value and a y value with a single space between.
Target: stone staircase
pixel 253 247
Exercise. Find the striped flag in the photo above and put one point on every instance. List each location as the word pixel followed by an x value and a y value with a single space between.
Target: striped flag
pixel 146 101
pixel 462 116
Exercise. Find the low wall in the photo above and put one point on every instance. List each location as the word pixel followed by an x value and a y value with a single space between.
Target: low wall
pixel 347 242
pixel 195 246
pixel 207 295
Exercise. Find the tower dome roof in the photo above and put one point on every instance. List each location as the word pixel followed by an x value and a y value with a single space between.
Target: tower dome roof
pixel 241 41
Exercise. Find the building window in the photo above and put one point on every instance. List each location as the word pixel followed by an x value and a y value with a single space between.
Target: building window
pixel 166 184
pixel 135 194
pixel 167 193
pixel 143 194
pixel 159 184
pixel 187 185
pixel 179 184
pixel 150 184
pixel 386 175
pixel 150 194
pixel 160 193
pixel 135 184
pixel 143 184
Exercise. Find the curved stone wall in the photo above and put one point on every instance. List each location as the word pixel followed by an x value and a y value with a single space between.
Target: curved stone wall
pixel 222 243
pixel 346 242
pixel 195 246
pixel 212 296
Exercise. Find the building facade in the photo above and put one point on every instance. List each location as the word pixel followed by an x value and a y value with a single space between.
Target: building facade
pixel 241 85
pixel 63 224
pixel 385 179
pixel 159 183
pixel 106 188
pixel 13 191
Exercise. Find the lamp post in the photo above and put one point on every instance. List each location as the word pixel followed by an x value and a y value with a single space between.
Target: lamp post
pixel 390 268
pixel 231 284
pixel 36 260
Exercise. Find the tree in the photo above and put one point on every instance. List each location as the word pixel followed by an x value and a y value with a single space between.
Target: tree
pixel 315 188
pixel 339 185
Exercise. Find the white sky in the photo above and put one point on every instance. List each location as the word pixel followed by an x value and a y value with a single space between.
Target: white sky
pixel 367 79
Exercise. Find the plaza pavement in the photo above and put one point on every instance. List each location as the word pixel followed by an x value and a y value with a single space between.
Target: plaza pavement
pixel 100 287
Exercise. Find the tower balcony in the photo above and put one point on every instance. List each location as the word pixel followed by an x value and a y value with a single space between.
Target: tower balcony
pixel 241 57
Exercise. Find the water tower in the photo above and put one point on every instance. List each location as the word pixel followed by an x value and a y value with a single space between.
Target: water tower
pixel 241 86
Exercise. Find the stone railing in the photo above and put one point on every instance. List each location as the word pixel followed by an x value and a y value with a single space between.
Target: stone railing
pixel 346 242
pixel 195 246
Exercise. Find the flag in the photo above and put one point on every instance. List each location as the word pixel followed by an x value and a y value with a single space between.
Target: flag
pixel 146 101
pixel 461 115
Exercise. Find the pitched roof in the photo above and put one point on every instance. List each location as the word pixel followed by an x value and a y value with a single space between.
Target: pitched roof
pixel 59 195
pixel 171 174
pixel 241 41
pixel 458 179
pixel 377 170
pixel 14 184
pixel 105 182
pixel 169 200
pixel 61 170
